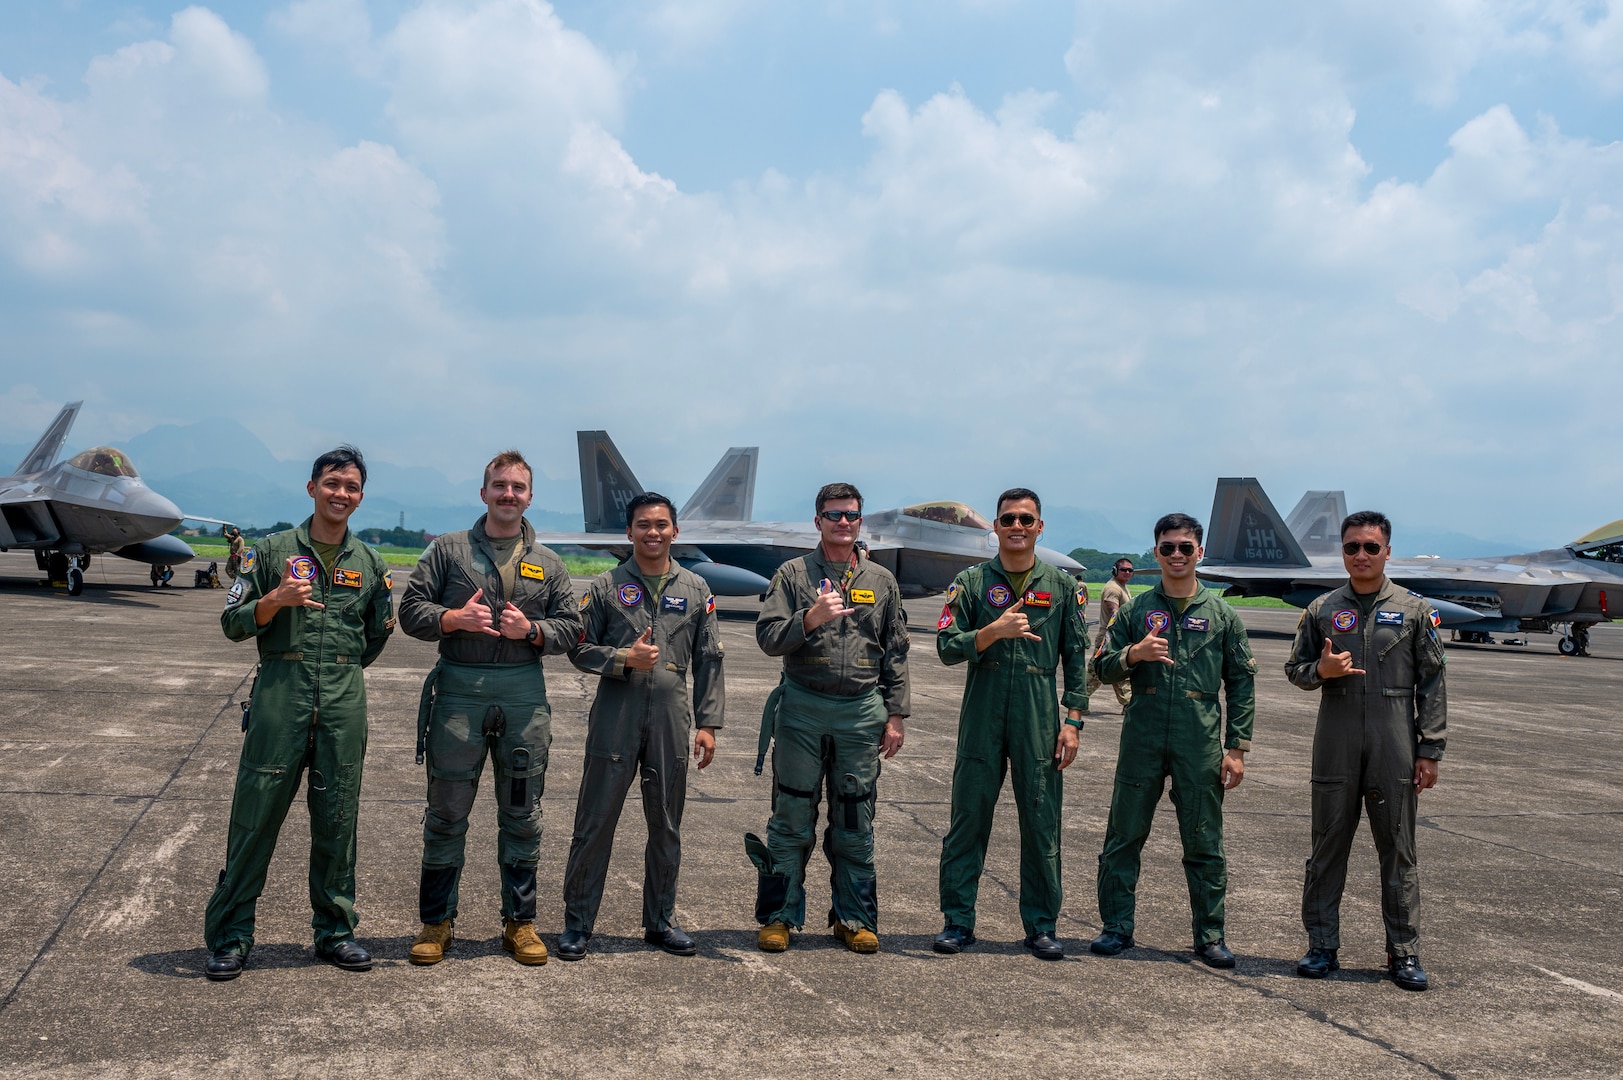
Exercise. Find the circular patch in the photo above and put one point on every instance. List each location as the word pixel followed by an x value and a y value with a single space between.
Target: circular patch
pixel 302 567
pixel 952 592
pixel 1344 619
pixel 1157 621
pixel 631 594
pixel 249 558
pixel 998 596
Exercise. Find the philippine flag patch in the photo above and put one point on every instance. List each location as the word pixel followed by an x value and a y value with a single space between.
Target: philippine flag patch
pixel 710 605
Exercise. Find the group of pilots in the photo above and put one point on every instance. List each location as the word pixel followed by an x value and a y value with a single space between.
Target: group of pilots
pixel 319 603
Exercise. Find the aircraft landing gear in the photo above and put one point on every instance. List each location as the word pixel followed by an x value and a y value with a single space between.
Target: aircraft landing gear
pixel 1575 642
pixel 56 567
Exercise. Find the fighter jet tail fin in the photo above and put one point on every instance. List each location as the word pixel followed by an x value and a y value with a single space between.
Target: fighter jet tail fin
pixel 1246 530
pixel 606 482
pixel 728 493
pixel 1316 522
pixel 43 455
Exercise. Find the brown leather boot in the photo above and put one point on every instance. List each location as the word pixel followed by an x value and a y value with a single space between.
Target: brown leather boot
pixel 859 941
pixel 774 937
pixel 520 939
pixel 432 942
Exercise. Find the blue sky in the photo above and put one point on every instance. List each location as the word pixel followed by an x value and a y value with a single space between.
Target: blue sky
pixel 1108 250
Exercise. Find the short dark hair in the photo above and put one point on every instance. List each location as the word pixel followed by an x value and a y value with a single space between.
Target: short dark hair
pixel 507 459
pixel 1015 495
pixel 829 492
pixel 648 498
pixel 340 457
pixel 1175 522
pixel 1363 518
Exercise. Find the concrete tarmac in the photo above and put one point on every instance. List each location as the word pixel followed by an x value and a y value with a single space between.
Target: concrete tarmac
pixel 118 749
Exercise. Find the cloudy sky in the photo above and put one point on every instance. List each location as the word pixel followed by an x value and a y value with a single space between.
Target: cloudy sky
pixel 1111 250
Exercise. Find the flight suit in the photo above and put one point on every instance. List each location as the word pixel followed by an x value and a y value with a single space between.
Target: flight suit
pixel 308 711
pixel 1008 724
pixel 1174 727
pixel 486 695
pixel 1371 727
pixel 1115 597
pixel 840 684
pixel 640 727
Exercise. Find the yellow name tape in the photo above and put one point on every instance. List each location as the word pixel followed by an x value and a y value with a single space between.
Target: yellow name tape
pixel 862 596
pixel 530 570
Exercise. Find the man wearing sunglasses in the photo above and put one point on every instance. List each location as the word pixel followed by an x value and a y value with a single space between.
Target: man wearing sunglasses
pixel 1015 621
pixel 835 617
pixel 1115 596
pixel 1371 649
pixel 1179 644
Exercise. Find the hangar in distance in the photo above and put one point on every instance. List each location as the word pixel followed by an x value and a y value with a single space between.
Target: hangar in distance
pixel 924 545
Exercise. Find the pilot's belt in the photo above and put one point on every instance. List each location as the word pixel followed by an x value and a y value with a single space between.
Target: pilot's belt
pixel 1031 669
pixel 293 657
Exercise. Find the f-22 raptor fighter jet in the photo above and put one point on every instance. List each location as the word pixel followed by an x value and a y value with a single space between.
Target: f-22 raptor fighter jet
pixel 924 545
pixel 94 502
pixel 1255 553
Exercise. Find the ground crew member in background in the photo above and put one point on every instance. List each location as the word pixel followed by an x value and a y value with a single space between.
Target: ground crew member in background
pixel 835 617
pixel 236 544
pixel 1111 601
pixel 317 602
pixel 648 623
pixel 496 601
pixel 1016 621
pixel 1178 643
pixel 1371 648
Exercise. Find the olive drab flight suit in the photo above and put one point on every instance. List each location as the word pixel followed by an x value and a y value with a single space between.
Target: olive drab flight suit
pixel 1009 724
pixel 1174 727
pixel 1371 728
pixel 308 711
pixel 486 695
pixel 840 684
pixel 640 728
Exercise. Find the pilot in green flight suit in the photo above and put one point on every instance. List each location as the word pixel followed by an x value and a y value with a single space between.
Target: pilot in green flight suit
pixel 1016 621
pixel 317 602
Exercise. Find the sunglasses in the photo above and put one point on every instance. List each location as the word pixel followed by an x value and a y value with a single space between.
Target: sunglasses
pixel 1008 520
pixel 1370 547
pixel 841 515
pixel 1182 547
pixel 1124 569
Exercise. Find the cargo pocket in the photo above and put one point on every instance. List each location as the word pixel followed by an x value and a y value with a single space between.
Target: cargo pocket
pixel 1329 805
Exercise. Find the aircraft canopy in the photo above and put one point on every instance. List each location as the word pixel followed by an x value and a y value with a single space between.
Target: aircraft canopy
pixel 949 513
pixel 104 461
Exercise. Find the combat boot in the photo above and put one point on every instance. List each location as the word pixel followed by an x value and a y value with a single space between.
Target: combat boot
pixel 774 937
pixel 861 940
pixel 520 939
pixel 432 942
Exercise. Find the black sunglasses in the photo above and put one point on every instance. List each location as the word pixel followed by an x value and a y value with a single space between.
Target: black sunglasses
pixel 1370 547
pixel 841 515
pixel 1124 569
pixel 1008 520
pixel 1182 547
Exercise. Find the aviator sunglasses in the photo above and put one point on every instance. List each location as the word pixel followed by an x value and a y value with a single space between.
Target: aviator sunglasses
pixel 1182 547
pixel 1370 547
pixel 1008 520
pixel 842 515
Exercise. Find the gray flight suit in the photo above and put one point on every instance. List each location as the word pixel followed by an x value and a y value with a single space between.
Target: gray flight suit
pixel 840 684
pixel 640 727
pixel 1371 728
pixel 486 695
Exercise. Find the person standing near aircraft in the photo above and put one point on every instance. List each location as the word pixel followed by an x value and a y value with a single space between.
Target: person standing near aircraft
pixel 236 545
pixel 648 623
pixel 835 617
pixel 1016 621
pixel 1371 649
pixel 496 601
pixel 1178 643
pixel 317 602
pixel 1114 597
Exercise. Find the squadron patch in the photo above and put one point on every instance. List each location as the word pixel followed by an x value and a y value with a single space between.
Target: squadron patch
pixel 1198 625
pixel 946 617
pixel 674 603
pixel 630 594
pixel 585 600
pixel 388 581
pixel 862 596
pixel 348 578
pixel 1344 620
pixel 249 559
pixel 998 595
pixel 952 592
pixel 1157 621
pixel 1389 618
pixel 302 567
pixel 1034 598
pixel 234 597
pixel 531 571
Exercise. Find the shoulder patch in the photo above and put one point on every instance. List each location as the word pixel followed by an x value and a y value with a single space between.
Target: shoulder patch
pixel 234 597
pixel 586 600
pixel 709 604
pixel 946 617
pixel 952 592
pixel 388 581
pixel 250 559
pixel 1081 594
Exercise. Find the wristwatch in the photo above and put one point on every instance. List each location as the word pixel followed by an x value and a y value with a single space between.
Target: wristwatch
pixel 1074 721
pixel 535 632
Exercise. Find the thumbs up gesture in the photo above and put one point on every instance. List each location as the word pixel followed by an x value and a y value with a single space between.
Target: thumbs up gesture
pixel 643 654
pixel 1151 646
pixel 474 617
pixel 1013 623
pixel 1333 665
pixel 830 605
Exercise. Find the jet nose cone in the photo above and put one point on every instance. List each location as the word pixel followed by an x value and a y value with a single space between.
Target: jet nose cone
pixel 156 512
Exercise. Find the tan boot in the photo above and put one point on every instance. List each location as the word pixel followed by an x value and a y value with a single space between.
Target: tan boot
pixel 774 937
pixel 432 942
pixel 520 939
pixel 859 941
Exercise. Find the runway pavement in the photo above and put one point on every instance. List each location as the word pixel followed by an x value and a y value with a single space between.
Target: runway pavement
pixel 118 749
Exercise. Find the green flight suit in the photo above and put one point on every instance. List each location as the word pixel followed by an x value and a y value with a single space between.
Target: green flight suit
pixel 1174 727
pixel 1371 727
pixel 308 712
pixel 487 695
pixel 840 683
pixel 1008 724
pixel 640 727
